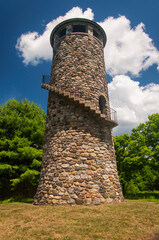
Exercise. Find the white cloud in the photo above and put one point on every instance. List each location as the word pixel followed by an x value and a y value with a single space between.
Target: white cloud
pixel 33 47
pixel 132 102
pixel 128 50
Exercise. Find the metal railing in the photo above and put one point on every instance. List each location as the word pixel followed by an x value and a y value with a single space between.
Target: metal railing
pixel 113 114
pixel 46 79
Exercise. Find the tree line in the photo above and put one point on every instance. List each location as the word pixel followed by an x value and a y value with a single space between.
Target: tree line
pixel 22 125
pixel 138 157
pixel 21 138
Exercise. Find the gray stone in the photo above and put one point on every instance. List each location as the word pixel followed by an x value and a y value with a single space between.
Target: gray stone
pixel 64 165
pixel 105 177
pixel 79 165
pixel 71 201
pixel 96 201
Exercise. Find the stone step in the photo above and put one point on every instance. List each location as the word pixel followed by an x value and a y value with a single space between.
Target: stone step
pixel 87 104
pixel 76 98
pixel 81 101
pixel 71 96
pixel 98 112
pixel 60 92
pixel 66 94
pixel 93 107
pixel 55 90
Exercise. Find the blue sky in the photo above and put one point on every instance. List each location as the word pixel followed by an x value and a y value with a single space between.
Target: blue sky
pixel 131 66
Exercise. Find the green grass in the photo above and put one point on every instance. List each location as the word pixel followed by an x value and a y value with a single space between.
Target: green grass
pixel 130 220
pixel 151 196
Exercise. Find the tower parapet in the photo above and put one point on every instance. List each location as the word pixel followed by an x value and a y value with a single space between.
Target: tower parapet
pixel 77 25
pixel 79 165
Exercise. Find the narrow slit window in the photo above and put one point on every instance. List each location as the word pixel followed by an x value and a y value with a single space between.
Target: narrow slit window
pixel 102 104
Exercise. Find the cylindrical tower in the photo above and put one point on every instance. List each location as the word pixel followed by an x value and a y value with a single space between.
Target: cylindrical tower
pixel 78 165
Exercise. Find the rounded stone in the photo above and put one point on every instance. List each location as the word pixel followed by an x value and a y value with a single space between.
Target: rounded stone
pixel 79 165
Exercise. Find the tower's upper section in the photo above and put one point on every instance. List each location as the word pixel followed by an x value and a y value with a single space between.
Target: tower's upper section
pixel 77 25
pixel 78 68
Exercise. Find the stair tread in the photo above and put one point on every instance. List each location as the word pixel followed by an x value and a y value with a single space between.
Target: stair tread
pixel 86 103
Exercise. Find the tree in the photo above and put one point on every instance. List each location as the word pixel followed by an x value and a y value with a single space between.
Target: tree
pixel 121 150
pixel 138 156
pixel 21 138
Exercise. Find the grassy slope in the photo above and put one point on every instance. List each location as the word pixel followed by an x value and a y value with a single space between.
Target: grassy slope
pixel 132 220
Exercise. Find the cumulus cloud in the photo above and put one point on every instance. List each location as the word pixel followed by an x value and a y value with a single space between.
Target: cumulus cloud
pixel 132 102
pixel 34 48
pixel 128 50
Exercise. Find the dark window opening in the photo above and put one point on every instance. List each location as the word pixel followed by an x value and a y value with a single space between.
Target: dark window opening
pixel 79 28
pixel 95 34
pixel 102 104
pixel 62 33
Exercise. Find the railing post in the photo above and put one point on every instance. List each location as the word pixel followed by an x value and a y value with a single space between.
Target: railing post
pixel 45 79
pixel 113 114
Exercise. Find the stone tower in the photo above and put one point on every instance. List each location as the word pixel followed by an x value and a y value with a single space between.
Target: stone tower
pixel 78 165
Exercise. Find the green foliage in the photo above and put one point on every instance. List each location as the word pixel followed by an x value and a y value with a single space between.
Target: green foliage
pixel 21 138
pixel 148 195
pixel 138 157
pixel 28 181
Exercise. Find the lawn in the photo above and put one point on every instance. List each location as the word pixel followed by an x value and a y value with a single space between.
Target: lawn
pixel 131 220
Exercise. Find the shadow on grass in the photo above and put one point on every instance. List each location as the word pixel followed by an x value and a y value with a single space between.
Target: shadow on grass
pixel 143 195
pixel 17 199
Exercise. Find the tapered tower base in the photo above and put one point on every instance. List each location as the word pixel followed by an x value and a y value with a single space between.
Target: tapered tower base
pixel 78 165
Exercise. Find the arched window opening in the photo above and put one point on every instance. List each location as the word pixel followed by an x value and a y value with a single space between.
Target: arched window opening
pixel 102 104
pixel 79 28
pixel 62 33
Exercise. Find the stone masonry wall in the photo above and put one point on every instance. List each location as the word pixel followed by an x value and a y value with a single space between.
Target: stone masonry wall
pixel 78 67
pixel 79 164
